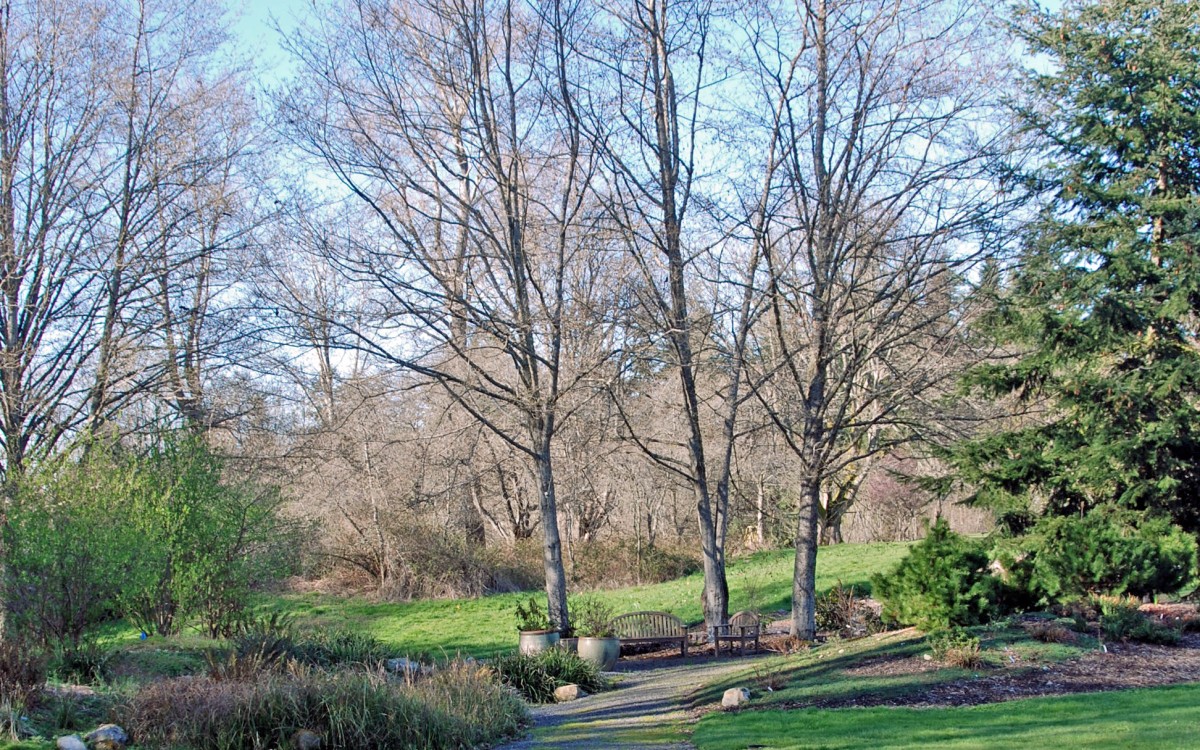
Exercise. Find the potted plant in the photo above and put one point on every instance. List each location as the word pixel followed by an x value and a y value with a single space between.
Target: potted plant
pixel 597 641
pixel 534 626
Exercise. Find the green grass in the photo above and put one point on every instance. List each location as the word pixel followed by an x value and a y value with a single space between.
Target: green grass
pixel 485 626
pixel 1147 718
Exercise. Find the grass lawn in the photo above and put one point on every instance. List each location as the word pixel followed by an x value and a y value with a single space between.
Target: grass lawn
pixel 1149 718
pixel 485 626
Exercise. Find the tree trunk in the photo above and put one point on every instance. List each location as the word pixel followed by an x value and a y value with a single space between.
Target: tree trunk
pixel 804 599
pixel 556 577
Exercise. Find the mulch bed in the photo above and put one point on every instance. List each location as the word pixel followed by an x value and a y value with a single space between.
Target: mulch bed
pixel 1119 666
pixel 1122 666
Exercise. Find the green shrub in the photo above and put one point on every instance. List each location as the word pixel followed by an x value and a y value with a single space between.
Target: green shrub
pixel 943 581
pixel 85 663
pixel 459 706
pixel 1111 551
pixel 956 647
pixel 159 538
pixel 535 676
pixel 1120 620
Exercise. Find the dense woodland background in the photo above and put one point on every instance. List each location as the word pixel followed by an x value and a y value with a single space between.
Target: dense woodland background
pixel 497 295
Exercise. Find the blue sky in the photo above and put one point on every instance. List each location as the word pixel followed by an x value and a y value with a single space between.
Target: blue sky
pixel 254 26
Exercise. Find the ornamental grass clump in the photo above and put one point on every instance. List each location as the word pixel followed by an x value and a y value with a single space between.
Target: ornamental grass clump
pixel 460 705
pixel 536 676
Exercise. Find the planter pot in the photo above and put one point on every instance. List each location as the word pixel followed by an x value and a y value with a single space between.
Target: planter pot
pixel 602 652
pixel 569 644
pixel 533 641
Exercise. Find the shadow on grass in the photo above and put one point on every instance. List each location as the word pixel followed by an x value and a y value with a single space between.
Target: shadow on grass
pixel 1147 718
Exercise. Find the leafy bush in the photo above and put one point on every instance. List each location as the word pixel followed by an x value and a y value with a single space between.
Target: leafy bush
pixel 943 581
pixel 535 676
pixel 459 706
pixel 158 538
pixel 956 647
pixel 1111 551
pixel 1120 620
pixel 841 611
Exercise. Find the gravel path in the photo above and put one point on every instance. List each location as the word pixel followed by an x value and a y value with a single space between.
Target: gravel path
pixel 648 698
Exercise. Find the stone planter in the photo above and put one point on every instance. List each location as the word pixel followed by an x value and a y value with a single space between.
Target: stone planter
pixel 603 652
pixel 534 641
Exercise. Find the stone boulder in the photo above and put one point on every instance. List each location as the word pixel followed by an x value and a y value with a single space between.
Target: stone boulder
pixel 566 693
pixel 306 740
pixel 70 742
pixel 735 697
pixel 107 737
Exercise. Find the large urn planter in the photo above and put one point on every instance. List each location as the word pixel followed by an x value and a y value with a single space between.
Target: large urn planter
pixel 603 652
pixel 536 641
pixel 569 644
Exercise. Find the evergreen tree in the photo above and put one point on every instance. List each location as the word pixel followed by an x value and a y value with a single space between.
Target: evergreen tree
pixel 1104 307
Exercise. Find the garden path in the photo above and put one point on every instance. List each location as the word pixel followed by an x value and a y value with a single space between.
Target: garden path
pixel 644 712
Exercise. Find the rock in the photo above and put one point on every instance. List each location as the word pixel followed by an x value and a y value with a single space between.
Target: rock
pixel 70 742
pixel 407 667
pixel 735 697
pixel 306 740
pixel 107 737
pixel 569 693
pixel 403 666
pixel 927 657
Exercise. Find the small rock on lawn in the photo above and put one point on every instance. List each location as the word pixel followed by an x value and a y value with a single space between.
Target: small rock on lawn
pixel 569 693
pixel 70 742
pixel 735 697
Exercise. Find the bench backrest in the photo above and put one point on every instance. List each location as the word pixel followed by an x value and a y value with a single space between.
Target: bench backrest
pixel 746 619
pixel 647 625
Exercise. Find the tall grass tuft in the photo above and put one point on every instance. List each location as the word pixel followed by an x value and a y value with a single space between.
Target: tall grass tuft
pixel 536 676
pixel 459 706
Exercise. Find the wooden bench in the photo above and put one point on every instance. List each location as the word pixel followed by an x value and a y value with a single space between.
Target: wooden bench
pixel 743 627
pixel 651 627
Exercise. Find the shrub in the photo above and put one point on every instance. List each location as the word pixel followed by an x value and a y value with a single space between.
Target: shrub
pixel 85 663
pixel 943 581
pixel 624 563
pixel 22 674
pixel 535 676
pixel 159 538
pixel 1120 620
pixel 274 644
pixel 459 706
pixel 956 647
pixel 1111 551
pixel 841 611
pixel 1051 631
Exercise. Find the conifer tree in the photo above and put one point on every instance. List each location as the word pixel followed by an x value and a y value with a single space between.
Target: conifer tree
pixel 1104 307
